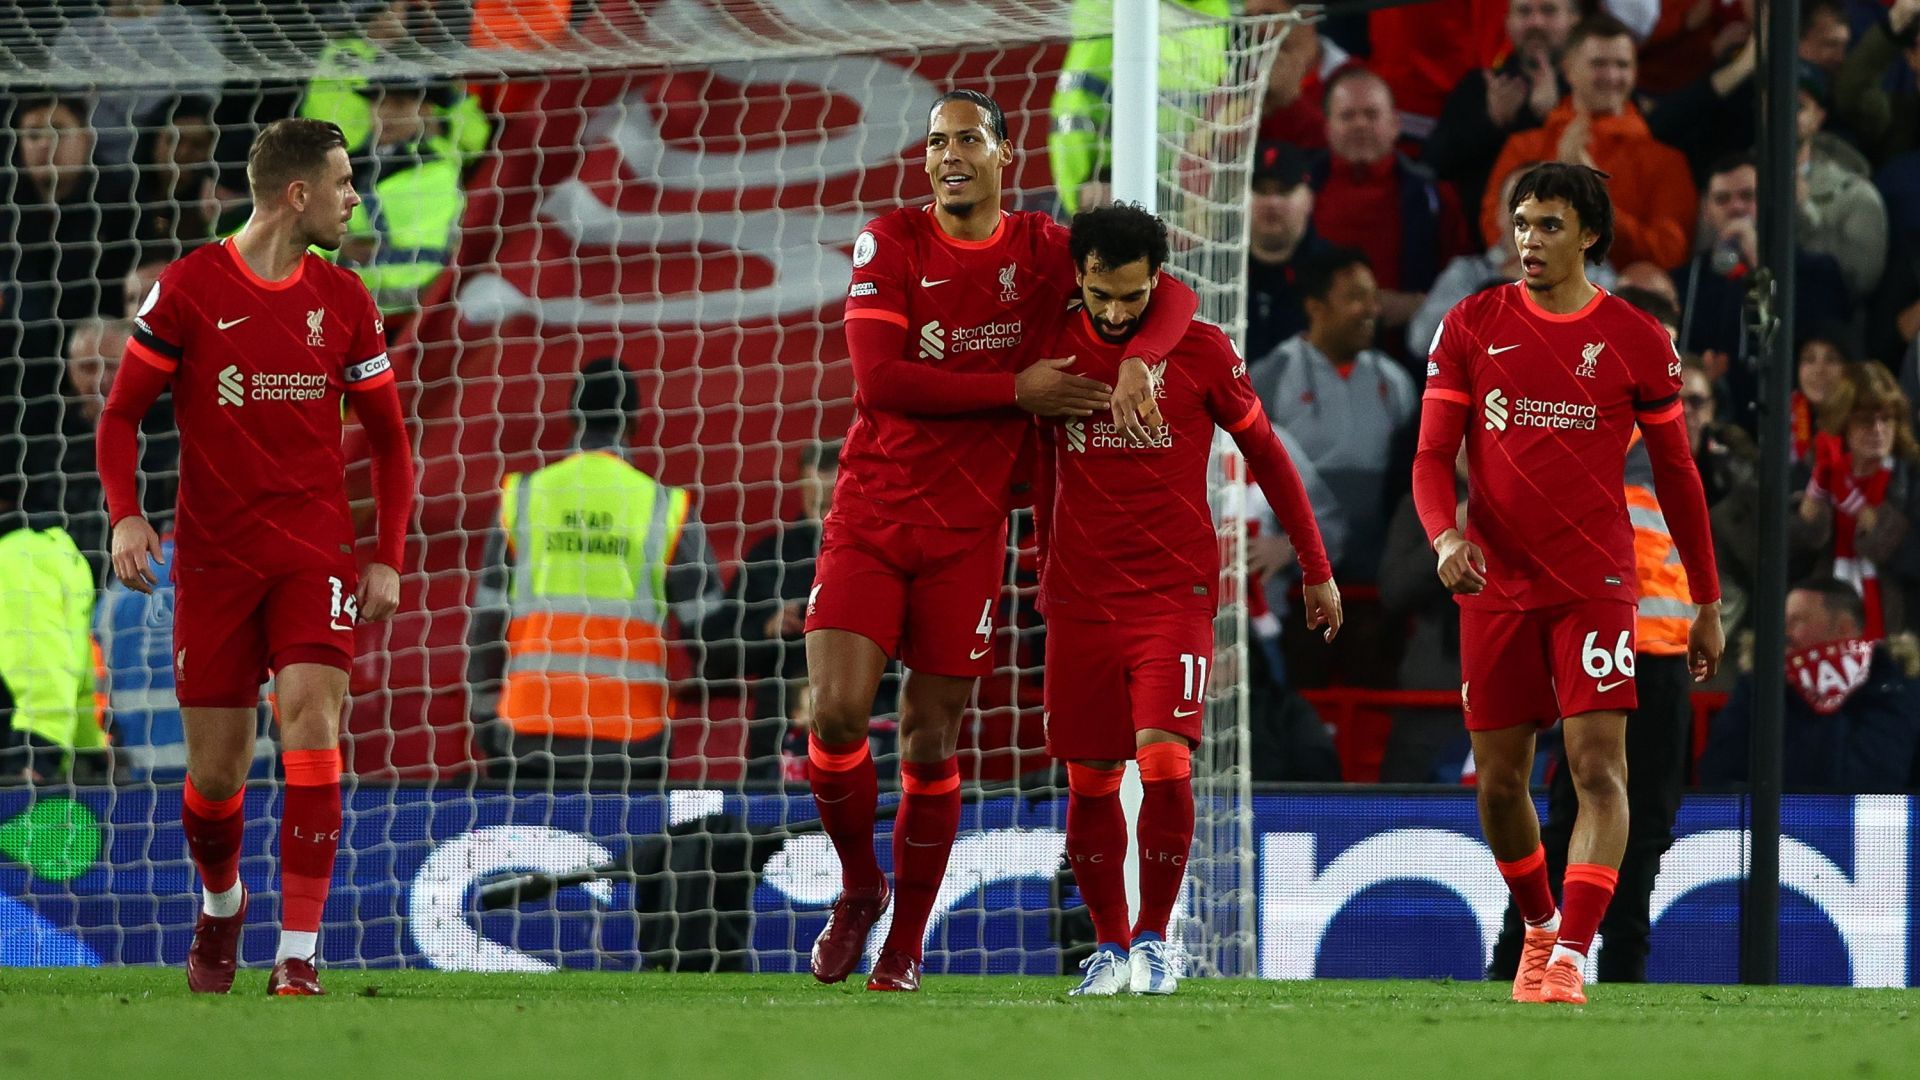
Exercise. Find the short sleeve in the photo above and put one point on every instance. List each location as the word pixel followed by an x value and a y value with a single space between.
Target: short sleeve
pixel 1230 396
pixel 160 323
pixel 367 365
pixel 881 277
pixel 1655 363
pixel 1448 376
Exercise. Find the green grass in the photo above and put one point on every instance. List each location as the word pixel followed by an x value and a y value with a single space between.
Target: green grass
pixel 115 1023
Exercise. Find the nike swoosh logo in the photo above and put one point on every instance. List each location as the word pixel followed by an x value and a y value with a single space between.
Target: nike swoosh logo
pixel 337 626
pixel 978 653
pixel 1180 714
pixel 925 284
pixel 228 324
pixel 1491 351
pixel 1606 686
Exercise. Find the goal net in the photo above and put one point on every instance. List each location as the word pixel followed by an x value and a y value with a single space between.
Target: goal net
pixel 677 185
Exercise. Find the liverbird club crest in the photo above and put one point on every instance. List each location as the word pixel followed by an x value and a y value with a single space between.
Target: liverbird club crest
pixel 1588 357
pixel 1008 294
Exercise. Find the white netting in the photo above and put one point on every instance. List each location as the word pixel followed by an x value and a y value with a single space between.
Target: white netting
pixel 677 184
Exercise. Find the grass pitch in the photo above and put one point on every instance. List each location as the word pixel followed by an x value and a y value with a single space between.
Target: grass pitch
pixel 422 1025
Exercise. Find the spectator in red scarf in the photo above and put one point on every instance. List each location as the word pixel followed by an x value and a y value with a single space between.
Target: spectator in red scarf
pixel 1858 509
pixel 1823 366
pixel 1853 705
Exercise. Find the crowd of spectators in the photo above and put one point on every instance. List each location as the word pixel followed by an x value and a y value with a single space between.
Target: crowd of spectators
pixel 1399 123
pixel 1388 145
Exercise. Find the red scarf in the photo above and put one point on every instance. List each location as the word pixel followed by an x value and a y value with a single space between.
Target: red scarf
pixel 1827 675
pixel 1851 494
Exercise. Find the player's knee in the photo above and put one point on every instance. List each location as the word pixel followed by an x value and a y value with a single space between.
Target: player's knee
pixel 218 780
pixel 838 718
pixel 1600 776
pixel 928 742
pixel 1499 787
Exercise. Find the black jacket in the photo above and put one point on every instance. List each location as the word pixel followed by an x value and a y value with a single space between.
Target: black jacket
pixel 1870 744
pixel 777 570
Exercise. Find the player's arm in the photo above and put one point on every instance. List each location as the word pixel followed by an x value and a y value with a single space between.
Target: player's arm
pixel 1164 323
pixel 1045 483
pixel 1235 407
pixel 881 348
pixel 376 401
pixel 1280 482
pixel 1676 484
pixel 146 367
pixel 877 344
pixel 1443 424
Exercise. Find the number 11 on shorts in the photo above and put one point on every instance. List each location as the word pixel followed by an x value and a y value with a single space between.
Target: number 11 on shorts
pixel 1193 677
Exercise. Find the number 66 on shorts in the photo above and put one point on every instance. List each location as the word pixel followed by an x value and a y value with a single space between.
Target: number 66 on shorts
pixel 1536 666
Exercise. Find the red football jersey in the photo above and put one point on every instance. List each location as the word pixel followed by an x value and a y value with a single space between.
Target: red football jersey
pixel 976 307
pixel 1552 401
pixel 258 372
pixel 1131 532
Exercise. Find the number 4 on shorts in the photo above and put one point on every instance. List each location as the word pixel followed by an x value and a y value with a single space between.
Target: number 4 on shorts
pixel 1599 664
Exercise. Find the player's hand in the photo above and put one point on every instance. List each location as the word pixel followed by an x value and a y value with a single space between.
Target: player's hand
pixel 1045 389
pixel 1706 642
pixel 1463 568
pixel 134 542
pixel 1323 607
pixel 379 592
pixel 1136 412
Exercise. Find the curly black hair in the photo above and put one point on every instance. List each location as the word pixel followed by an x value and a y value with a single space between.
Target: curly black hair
pixel 1579 186
pixel 996 118
pixel 1118 234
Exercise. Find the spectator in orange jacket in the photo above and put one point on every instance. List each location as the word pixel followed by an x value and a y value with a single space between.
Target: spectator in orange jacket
pixel 1598 125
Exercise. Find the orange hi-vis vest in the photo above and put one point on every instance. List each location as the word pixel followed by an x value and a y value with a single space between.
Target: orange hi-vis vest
pixel 591 538
pixel 1666 604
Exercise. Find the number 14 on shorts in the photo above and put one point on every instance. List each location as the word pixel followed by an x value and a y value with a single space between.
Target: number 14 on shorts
pixel 343 603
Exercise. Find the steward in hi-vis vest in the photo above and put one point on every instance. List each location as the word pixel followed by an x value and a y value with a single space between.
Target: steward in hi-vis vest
pixel 591 559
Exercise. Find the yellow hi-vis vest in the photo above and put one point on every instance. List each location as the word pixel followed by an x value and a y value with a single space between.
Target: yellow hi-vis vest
pixel 590 538
pixel 1666 605
pixel 46 643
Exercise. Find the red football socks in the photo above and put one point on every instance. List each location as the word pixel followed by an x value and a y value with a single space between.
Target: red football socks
pixel 1587 891
pixel 1527 880
pixel 845 790
pixel 213 836
pixel 922 838
pixel 1097 848
pixel 309 836
pixel 1166 831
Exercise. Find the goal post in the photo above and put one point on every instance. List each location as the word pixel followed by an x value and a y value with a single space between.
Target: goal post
pixel 679 185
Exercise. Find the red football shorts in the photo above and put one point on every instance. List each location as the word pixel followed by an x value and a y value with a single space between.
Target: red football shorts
pixel 231 624
pixel 1534 667
pixel 1107 680
pixel 923 593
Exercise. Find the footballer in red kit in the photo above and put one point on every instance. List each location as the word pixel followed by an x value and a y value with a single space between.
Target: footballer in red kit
pixel 945 315
pixel 260 340
pixel 1545 380
pixel 1130 571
